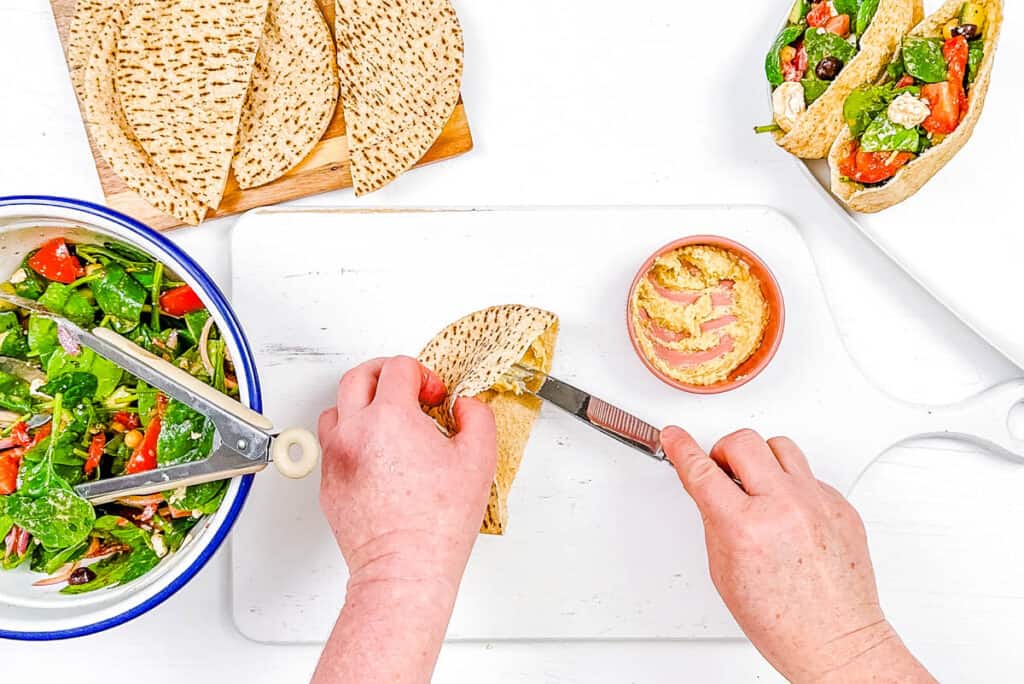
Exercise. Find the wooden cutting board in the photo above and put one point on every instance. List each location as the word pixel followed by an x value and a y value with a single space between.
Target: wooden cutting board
pixel 326 168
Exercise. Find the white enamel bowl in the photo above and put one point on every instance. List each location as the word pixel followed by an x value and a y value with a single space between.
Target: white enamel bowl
pixel 33 613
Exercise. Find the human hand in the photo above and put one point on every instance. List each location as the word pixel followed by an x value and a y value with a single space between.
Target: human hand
pixel 404 501
pixel 789 556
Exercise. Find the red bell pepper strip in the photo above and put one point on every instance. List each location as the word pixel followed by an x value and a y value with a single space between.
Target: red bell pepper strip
pixel 20 434
pixel 820 14
pixel 872 167
pixel 906 80
pixel 180 301
pixel 95 453
pixel 55 262
pixel 143 458
pixel 10 461
pixel 129 421
pixel 948 100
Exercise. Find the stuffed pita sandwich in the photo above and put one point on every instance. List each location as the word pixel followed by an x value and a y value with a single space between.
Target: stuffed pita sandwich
pixel 826 49
pixel 901 130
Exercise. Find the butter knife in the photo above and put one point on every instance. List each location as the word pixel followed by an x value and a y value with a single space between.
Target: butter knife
pixel 614 422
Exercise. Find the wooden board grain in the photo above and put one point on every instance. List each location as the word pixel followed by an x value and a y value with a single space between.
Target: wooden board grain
pixel 326 168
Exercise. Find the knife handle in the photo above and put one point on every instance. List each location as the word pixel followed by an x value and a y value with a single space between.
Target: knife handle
pixel 625 427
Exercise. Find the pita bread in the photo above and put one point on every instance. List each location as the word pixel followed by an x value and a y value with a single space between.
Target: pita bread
pixel 112 135
pixel 183 72
pixel 914 175
pixel 816 128
pixel 292 96
pixel 89 18
pixel 401 69
pixel 471 356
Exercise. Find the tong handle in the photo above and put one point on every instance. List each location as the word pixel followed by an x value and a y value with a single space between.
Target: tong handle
pixel 304 461
pixel 180 377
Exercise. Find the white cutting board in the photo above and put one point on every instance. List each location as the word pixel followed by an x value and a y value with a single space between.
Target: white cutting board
pixel 969 213
pixel 602 543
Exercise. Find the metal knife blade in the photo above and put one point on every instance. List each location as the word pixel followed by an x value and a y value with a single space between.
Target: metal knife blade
pixel 618 424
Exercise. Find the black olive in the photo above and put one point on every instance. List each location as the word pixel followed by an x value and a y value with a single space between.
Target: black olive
pixel 81 576
pixel 968 31
pixel 828 68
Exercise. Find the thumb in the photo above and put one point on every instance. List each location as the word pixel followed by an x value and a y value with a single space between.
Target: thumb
pixel 476 423
pixel 712 490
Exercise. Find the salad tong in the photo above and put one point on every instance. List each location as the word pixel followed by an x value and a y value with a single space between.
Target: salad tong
pixel 244 440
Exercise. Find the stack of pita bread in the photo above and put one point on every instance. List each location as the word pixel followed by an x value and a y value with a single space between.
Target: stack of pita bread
pixel 179 94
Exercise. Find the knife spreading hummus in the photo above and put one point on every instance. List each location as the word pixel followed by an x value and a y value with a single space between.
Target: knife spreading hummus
pixel 698 314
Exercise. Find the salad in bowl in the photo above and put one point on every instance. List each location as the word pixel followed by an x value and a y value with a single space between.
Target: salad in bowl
pixel 69 416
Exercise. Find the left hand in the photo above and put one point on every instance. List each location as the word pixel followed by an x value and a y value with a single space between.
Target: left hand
pixel 404 501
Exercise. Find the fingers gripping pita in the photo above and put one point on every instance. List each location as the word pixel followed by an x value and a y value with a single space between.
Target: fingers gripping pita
pixel 112 135
pixel 293 93
pixel 183 72
pixel 473 355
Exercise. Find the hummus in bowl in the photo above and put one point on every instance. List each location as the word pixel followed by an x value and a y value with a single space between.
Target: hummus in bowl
pixel 705 314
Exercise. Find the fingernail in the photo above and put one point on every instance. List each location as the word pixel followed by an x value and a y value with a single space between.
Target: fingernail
pixel 671 431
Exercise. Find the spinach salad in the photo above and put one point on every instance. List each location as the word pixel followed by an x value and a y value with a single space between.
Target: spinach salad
pixel 68 415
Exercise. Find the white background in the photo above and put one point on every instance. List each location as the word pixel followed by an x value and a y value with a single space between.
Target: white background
pixel 595 103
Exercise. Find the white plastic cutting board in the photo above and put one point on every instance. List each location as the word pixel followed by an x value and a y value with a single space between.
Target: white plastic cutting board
pixel 968 215
pixel 603 543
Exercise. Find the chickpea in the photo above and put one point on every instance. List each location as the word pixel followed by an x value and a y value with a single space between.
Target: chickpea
pixel 787 53
pixel 133 439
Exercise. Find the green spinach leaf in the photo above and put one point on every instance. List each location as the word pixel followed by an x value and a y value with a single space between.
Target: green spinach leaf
pixel 773 60
pixel 882 135
pixel 14 394
pixel 42 337
pixel 814 88
pixel 13 340
pixel 865 13
pixel 108 375
pixel 75 386
pixel 848 7
pixel 922 59
pixel 185 436
pixel 58 518
pixel 70 303
pixel 820 44
pixel 975 53
pixel 119 295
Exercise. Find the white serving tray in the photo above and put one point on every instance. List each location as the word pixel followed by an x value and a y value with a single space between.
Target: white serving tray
pixel 966 220
pixel 602 542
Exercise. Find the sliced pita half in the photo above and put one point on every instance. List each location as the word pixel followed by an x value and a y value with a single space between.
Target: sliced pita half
pixel 816 128
pixel 401 68
pixel 89 18
pixel 113 137
pixel 475 357
pixel 914 175
pixel 183 72
pixel 292 96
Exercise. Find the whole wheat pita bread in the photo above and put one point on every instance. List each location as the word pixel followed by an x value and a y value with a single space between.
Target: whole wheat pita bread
pixel 401 69
pixel 89 18
pixel 471 356
pixel 292 96
pixel 183 71
pixel 914 175
pixel 815 129
pixel 113 137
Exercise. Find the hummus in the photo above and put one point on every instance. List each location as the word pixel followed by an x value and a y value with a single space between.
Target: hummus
pixel 698 314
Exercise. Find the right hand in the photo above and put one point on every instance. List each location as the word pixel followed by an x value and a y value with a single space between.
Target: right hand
pixel 404 502
pixel 789 556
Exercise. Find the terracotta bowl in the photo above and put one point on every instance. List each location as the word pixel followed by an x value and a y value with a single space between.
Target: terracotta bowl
pixel 757 362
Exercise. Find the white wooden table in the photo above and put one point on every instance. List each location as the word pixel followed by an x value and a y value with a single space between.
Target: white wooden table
pixel 599 103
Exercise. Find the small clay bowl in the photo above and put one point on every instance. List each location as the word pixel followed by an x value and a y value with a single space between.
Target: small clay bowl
pixel 757 362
